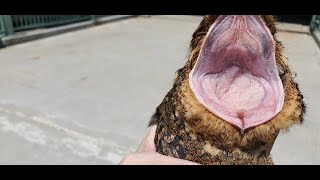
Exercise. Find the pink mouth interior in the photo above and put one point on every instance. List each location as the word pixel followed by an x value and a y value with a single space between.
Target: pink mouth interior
pixel 235 76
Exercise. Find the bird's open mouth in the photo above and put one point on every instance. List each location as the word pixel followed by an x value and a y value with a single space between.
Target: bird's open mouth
pixel 235 76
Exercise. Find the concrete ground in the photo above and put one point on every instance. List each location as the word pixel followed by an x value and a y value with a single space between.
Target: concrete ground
pixel 85 97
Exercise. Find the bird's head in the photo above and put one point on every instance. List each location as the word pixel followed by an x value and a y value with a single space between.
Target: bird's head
pixel 236 69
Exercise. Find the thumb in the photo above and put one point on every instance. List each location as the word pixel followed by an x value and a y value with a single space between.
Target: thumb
pixel 147 145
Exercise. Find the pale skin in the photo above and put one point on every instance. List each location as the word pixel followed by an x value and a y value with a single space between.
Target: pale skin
pixel 146 154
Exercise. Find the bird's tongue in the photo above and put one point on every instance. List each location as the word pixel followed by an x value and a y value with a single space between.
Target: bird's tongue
pixel 235 76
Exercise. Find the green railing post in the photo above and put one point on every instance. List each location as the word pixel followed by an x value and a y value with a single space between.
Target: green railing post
pixel 2 31
pixel 315 23
pixel 93 18
pixel 7 21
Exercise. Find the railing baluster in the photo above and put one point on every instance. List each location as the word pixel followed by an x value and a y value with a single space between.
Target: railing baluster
pixel 26 21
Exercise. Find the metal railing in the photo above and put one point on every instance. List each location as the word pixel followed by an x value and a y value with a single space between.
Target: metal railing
pixel 2 29
pixel 24 22
pixel 315 23
pixel 9 24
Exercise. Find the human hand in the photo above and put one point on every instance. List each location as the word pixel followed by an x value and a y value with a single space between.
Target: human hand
pixel 146 154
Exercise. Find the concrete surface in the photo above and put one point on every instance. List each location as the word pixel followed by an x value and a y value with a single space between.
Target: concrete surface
pixel 296 28
pixel 85 97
